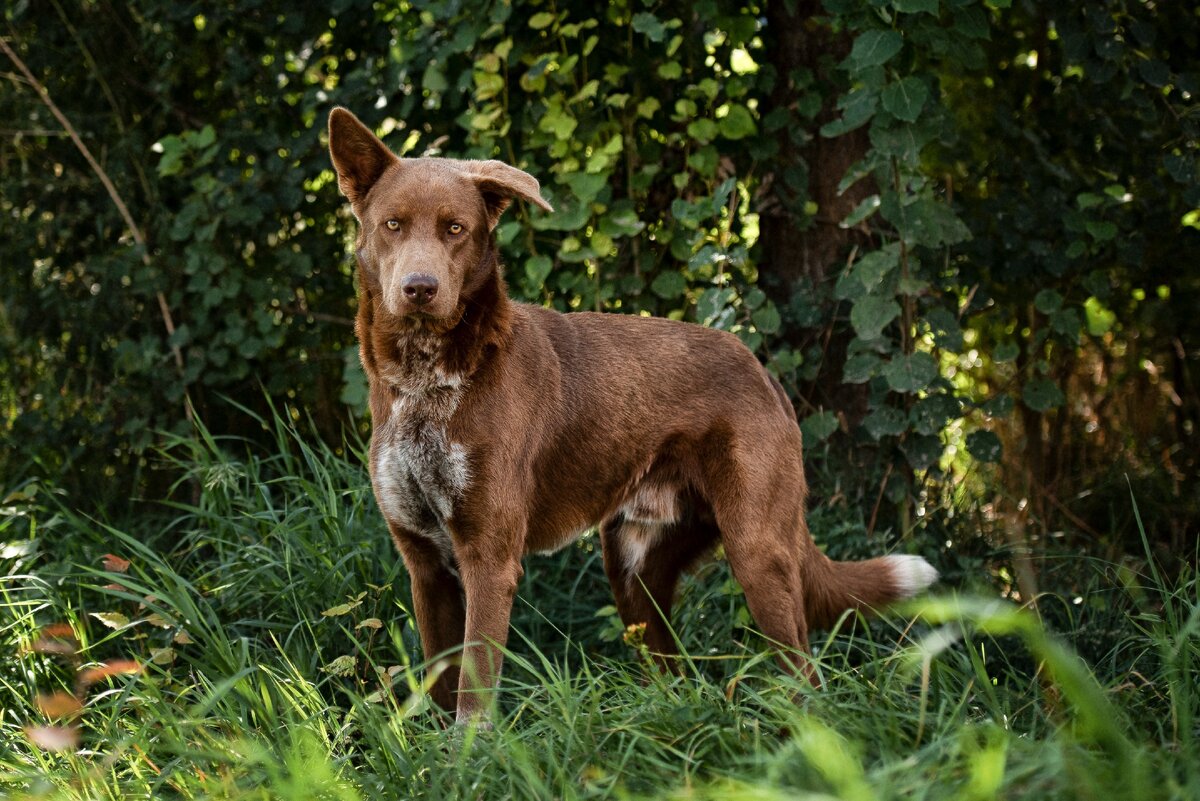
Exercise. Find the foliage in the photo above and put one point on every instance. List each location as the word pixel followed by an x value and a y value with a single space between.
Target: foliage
pixel 1027 180
pixel 266 672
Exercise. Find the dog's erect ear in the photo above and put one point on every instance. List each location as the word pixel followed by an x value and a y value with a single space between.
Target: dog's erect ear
pixel 500 183
pixel 358 155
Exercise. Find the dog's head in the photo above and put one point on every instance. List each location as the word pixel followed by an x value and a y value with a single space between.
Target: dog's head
pixel 425 225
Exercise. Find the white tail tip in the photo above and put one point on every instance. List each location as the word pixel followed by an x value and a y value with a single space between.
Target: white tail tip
pixel 911 574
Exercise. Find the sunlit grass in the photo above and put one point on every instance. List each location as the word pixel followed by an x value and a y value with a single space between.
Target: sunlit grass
pixel 277 660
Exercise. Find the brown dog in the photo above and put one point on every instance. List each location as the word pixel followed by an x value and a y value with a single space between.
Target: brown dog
pixel 502 429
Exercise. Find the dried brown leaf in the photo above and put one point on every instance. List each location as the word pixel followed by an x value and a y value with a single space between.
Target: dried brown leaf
pixel 114 667
pixel 58 705
pixel 114 563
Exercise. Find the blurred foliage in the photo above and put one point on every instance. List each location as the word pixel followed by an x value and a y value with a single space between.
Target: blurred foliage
pixel 1010 287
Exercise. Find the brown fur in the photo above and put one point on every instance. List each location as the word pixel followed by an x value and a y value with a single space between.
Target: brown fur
pixel 502 429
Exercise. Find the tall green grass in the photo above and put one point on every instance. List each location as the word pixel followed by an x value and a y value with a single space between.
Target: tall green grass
pixel 280 661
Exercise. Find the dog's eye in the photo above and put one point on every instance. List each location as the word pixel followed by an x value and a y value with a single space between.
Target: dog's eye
pixel 455 229
pixel 393 225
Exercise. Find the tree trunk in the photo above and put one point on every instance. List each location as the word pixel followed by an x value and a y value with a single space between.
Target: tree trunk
pixel 796 256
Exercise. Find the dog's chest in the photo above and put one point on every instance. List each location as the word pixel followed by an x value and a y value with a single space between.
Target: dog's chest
pixel 418 473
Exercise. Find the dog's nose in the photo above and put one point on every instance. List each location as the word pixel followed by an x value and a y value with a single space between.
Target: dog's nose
pixel 420 288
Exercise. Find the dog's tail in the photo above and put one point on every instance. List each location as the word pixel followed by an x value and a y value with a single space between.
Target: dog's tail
pixel 830 588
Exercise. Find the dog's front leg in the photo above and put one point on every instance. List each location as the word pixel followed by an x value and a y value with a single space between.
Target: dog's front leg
pixel 490 565
pixel 438 608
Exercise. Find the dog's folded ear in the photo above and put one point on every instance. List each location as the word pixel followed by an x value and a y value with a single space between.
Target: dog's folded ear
pixel 358 156
pixel 499 184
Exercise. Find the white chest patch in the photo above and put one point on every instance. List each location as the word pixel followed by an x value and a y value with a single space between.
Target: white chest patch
pixel 418 473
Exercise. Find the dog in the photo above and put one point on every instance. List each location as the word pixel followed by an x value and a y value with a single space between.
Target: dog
pixel 501 429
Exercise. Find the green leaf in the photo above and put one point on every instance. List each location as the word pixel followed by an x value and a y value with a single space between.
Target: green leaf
pixel 914 6
pixel 931 414
pixel 113 620
pixel 671 70
pixel 873 269
pixel 862 211
pixel 947 333
pixel 910 373
pixel 905 98
pixel 540 20
pixel 984 446
pixel 875 47
pixel 926 221
pixel 702 130
pixel 1154 72
pixel 342 666
pixel 861 368
pixel 857 108
pixel 341 609
pixel 1067 324
pixel 537 270
pixel 1042 395
pixel 922 451
pixel 871 314
pixel 649 25
pixel 1100 320
pixel 766 319
pixel 1006 351
pixel 1047 301
pixel 669 285
pixel 886 421
pixel 1101 230
pixel 433 79
pixel 818 427
pixel 738 123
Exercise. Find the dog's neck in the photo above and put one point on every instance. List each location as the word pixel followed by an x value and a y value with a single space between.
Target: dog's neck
pixel 419 355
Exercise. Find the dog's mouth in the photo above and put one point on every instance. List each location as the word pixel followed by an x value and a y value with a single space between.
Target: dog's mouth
pixel 424 320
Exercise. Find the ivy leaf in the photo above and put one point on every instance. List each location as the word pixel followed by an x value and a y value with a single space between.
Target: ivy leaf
pixel 984 446
pixel 861 368
pixel 874 48
pixel 1042 395
pixel 537 270
pixel 857 108
pixel 738 123
pixel 914 6
pixel 947 333
pixel 922 451
pixel 767 318
pixel 910 373
pixel 1047 301
pixel 905 98
pixel 649 25
pixel 873 269
pixel 931 414
pixel 1006 351
pixel 818 427
pixel 885 421
pixel 871 314
pixel 669 285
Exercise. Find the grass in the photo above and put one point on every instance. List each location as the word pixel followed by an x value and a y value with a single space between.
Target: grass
pixel 278 660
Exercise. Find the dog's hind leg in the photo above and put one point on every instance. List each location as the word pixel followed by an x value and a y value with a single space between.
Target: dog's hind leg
pixel 643 562
pixel 763 556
